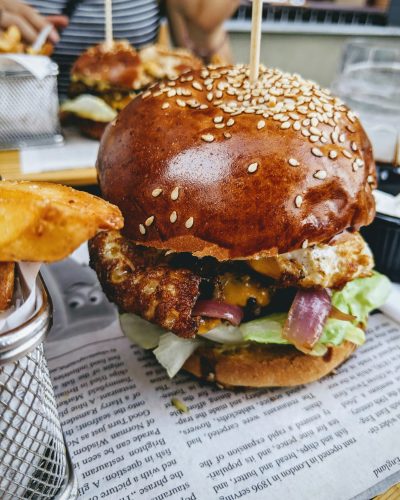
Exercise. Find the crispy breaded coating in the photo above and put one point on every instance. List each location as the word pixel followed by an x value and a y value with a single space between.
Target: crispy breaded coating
pixel 326 266
pixel 7 271
pixel 139 281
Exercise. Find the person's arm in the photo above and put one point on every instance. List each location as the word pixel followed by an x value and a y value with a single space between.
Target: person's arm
pixel 198 25
pixel 28 20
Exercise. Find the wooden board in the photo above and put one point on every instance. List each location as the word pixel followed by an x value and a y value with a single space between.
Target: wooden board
pixel 392 493
pixel 10 169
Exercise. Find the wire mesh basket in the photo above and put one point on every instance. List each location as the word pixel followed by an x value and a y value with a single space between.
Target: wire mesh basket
pixel 34 461
pixel 28 105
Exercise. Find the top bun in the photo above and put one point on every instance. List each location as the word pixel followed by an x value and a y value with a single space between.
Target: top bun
pixel 212 165
pixel 103 66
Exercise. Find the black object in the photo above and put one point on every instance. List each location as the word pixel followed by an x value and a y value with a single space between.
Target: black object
pixel 383 236
pixel 70 7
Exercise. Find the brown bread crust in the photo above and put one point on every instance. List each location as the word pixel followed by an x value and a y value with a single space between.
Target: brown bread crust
pixel 238 196
pixel 264 366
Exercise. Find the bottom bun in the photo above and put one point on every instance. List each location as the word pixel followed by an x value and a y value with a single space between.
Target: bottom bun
pixel 264 366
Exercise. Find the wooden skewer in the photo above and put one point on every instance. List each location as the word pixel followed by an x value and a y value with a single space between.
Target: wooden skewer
pixel 109 24
pixel 255 41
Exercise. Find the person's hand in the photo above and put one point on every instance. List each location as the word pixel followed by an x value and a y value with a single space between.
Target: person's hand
pixel 28 20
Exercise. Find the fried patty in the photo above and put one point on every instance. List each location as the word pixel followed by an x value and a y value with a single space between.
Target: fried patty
pixel 163 288
pixel 140 281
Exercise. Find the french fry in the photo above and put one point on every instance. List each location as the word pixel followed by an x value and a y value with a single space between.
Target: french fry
pixel 44 222
pixel 7 270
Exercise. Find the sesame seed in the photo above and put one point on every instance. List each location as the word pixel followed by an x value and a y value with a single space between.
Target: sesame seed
pixel 317 152
pixel 305 132
pixel 370 179
pixel 314 122
pixel 175 193
pixel 189 223
pixel 350 129
pixel 156 192
pixel 354 146
pixel 315 131
pixel 342 138
pixel 304 244
pixel 218 94
pixel 347 154
pixel 173 217
pixel 165 105
pixel 181 103
pixel 197 85
pixel 306 122
pixel 351 116
pixel 203 106
pixel 314 138
pixel 209 81
pixel 218 119
pixel 332 154
pixel 359 162
pixel 252 168
pixel 296 125
pixel 171 84
pixel 230 122
pixel 142 229
pixel 171 93
pixel 219 125
pixel 149 220
pixel 260 124
pixel 323 139
pixel 208 137
pixel 210 96
pixel 298 201
pixel 146 94
pixel 320 174
pixel 293 162
pixel 227 135
pixel 286 125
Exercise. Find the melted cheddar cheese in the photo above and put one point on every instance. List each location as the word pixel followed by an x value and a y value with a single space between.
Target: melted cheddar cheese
pixel 238 290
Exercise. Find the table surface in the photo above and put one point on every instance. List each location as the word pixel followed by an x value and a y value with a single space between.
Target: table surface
pixel 10 169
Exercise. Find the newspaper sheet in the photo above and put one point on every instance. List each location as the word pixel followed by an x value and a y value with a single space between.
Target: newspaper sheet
pixel 336 438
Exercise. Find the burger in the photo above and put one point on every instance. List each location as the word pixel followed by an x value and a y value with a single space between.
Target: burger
pixel 240 260
pixel 105 79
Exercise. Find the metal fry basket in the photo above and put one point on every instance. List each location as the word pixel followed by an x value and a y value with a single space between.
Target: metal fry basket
pixel 28 104
pixel 34 460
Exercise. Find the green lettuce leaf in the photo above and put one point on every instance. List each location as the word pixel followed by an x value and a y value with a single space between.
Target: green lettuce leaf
pixel 140 332
pixel 359 297
pixel 173 351
pixel 362 295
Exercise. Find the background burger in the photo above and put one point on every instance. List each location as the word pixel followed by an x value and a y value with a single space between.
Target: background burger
pixel 104 80
pixel 240 259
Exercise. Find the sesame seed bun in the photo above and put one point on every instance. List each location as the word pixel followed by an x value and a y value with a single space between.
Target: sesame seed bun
pixel 223 169
pixel 256 365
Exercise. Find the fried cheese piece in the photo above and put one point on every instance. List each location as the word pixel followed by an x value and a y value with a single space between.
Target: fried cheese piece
pixel 44 222
pixel 139 281
pixel 7 277
pixel 326 266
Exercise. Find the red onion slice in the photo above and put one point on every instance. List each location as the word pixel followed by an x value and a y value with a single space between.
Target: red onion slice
pixel 216 309
pixel 307 317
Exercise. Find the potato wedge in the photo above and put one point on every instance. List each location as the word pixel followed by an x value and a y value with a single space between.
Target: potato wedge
pixel 45 222
pixel 6 284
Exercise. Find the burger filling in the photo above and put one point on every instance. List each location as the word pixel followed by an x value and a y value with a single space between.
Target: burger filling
pixel 310 299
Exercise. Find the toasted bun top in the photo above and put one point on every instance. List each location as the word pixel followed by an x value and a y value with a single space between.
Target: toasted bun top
pixel 211 165
pixel 115 66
